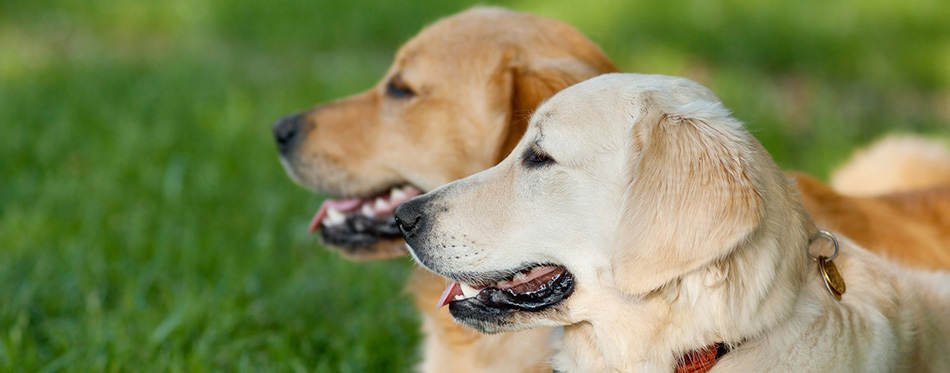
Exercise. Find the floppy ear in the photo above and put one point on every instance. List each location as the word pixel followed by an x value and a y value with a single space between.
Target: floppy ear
pixel 538 81
pixel 692 194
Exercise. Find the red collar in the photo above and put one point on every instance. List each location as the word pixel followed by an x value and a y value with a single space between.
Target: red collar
pixel 701 361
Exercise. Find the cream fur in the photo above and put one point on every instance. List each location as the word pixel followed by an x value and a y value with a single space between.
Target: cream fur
pixel 894 164
pixel 681 232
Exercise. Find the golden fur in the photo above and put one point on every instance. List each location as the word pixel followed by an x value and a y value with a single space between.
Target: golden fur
pixel 894 164
pixel 678 231
pixel 479 74
pixel 911 227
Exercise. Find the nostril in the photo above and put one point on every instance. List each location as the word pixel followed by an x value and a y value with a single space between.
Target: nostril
pixel 286 129
pixel 407 227
pixel 408 218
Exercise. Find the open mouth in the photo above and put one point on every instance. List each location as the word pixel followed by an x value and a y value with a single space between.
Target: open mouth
pixel 360 222
pixel 531 289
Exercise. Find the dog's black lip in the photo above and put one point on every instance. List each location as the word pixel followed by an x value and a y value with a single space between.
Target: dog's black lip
pixel 493 302
pixel 360 231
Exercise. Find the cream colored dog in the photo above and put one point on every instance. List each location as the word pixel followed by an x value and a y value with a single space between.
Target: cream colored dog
pixel 638 214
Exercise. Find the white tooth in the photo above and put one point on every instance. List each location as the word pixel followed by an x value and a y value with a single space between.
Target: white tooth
pixel 459 297
pixel 468 290
pixel 380 204
pixel 397 194
pixel 368 211
pixel 334 217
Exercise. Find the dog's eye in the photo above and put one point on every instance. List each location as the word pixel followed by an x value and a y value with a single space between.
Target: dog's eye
pixel 398 88
pixel 534 157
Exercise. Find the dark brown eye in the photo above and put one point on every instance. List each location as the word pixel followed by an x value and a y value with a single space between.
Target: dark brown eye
pixel 534 157
pixel 398 88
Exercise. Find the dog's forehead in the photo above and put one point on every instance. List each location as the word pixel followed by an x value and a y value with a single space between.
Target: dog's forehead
pixel 562 132
pixel 460 49
pixel 588 109
pixel 613 102
pixel 474 32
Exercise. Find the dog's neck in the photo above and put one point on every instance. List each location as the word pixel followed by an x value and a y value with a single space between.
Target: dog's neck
pixel 730 301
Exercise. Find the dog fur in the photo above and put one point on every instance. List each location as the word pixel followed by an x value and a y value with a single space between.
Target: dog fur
pixel 894 164
pixel 910 227
pixel 681 232
pixel 477 76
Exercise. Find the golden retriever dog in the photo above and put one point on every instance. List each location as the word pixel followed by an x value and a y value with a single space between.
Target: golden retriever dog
pixel 455 102
pixel 644 219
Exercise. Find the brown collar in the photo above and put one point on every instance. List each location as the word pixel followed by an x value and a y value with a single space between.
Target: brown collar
pixel 701 361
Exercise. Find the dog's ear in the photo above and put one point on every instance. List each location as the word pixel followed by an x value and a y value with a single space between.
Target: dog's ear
pixel 538 81
pixel 692 194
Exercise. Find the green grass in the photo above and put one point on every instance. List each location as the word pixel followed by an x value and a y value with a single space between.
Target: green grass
pixel 146 225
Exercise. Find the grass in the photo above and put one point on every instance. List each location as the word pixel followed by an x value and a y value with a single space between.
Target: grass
pixel 146 225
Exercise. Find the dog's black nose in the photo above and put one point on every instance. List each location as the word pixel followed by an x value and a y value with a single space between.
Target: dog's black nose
pixel 409 217
pixel 286 130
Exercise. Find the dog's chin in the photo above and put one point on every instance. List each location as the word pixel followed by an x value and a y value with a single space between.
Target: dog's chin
pixel 372 248
pixel 518 301
pixel 492 321
pixel 363 236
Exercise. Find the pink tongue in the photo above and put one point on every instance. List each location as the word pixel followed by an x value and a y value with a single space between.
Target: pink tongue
pixel 342 205
pixel 449 294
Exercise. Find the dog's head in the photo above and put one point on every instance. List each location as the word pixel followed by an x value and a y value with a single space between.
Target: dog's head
pixel 455 102
pixel 621 184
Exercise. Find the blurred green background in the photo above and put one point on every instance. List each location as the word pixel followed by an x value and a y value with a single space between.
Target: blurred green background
pixel 146 224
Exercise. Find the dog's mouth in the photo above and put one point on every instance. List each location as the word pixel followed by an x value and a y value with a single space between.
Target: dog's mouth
pixel 532 289
pixel 363 221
